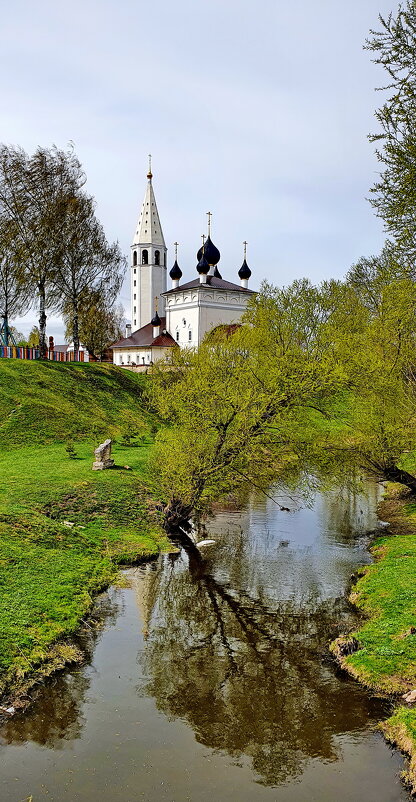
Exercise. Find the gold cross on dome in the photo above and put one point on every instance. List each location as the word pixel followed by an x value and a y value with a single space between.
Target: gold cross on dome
pixel 245 248
pixel 156 302
pixel 209 215
pixel 176 249
pixel 203 237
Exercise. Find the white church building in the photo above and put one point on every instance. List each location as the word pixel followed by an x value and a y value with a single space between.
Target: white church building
pixel 182 315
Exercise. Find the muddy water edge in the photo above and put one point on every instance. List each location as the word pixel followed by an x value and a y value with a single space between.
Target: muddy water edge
pixel 212 679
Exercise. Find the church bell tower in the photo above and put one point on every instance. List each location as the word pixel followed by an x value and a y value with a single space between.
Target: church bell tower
pixel 148 261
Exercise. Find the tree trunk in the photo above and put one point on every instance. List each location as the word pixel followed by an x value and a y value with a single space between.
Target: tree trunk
pixel 75 331
pixel 6 333
pixel 42 322
pixel 177 516
pixel 394 474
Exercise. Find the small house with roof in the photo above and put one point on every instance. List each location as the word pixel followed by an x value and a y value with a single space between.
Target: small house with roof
pixel 189 310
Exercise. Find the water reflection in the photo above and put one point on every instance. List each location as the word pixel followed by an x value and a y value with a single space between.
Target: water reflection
pixel 235 641
pixel 58 717
pixel 221 686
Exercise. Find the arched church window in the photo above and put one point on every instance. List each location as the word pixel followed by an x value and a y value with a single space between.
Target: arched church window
pixel 145 257
pixel 134 258
pixel 177 336
pixel 164 259
pixel 157 257
pixel 190 335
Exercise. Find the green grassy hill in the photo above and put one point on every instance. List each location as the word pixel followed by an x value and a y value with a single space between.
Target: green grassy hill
pixel 63 527
pixel 50 402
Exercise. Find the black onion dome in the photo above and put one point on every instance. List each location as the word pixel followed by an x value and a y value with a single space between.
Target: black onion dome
pixel 244 271
pixel 202 266
pixel 217 273
pixel 156 321
pixel 211 252
pixel 175 273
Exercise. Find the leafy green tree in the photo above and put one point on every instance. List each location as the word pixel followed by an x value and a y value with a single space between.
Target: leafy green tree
pixel 89 264
pixel 33 339
pixel 233 408
pixel 100 320
pixel 394 194
pixel 317 381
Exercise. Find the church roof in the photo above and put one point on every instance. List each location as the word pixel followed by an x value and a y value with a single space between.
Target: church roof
pixel 143 338
pixel 148 230
pixel 212 282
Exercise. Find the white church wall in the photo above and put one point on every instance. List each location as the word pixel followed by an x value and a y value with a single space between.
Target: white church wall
pixel 190 314
pixel 182 320
pixel 139 356
pixel 212 316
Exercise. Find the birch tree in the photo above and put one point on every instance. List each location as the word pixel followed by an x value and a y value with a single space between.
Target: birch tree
pixel 35 193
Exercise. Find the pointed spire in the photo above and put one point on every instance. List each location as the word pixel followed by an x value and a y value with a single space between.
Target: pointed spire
pixel 149 230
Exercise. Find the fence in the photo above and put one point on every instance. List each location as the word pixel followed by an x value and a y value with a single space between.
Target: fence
pixel 22 352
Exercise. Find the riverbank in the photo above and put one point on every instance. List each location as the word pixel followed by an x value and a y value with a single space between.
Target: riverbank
pixel 65 529
pixel 386 594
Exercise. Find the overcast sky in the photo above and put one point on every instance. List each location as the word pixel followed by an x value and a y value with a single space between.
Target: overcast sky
pixel 256 111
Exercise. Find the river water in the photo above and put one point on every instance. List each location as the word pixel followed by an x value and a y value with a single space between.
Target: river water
pixel 210 680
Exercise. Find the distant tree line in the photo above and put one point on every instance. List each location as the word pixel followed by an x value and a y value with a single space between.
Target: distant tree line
pixel 54 254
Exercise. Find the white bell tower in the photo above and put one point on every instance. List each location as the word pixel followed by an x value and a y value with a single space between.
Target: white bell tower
pixel 148 261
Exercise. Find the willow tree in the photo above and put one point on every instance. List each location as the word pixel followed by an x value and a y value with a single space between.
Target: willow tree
pixel 394 193
pixel 35 194
pixel 234 408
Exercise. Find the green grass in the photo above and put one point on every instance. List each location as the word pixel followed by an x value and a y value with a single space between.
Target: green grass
pixel 44 402
pixel 49 571
pixel 386 593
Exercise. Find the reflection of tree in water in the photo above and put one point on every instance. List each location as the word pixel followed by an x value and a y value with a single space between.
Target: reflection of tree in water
pixel 56 715
pixel 349 513
pixel 247 677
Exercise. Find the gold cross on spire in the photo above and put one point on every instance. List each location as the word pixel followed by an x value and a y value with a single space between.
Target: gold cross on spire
pixel 156 303
pixel 209 215
pixel 149 174
pixel 176 249
pixel 245 248
pixel 203 237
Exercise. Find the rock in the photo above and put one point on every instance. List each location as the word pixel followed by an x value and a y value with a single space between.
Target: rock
pixel 410 697
pixel 68 523
pixel 103 457
pixel 8 710
pixel 383 524
pixel 203 543
pixel 344 645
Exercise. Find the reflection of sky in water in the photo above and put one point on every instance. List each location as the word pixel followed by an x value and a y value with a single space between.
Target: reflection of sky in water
pixel 307 553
